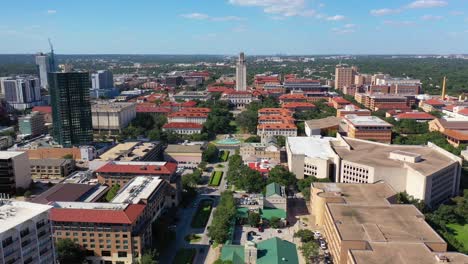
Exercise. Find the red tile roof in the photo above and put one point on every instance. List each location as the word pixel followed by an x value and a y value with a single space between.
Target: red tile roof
pixel 415 116
pixel 183 125
pixel 434 102
pixel 464 111
pixel 197 110
pixel 340 100
pixel 168 169
pixel 234 92
pixel 281 111
pixel 184 104
pixel 187 114
pixel 43 109
pixel 294 80
pixel 127 216
pixel 218 89
pixel 461 135
pixel 298 105
pixel 285 118
pixel 292 96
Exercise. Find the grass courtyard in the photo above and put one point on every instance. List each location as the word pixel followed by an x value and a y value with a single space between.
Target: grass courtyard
pixel 203 214
pixel 460 232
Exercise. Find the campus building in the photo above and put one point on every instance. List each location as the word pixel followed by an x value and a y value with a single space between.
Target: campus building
pixel 32 124
pixel 183 128
pixel 112 117
pixel 14 171
pixel 184 155
pixel 362 225
pixel 368 128
pixel 25 233
pixel 323 126
pixel 134 151
pixel 51 168
pixel 187 117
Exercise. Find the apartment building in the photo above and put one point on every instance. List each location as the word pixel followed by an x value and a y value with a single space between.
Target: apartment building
pixel 51 168
pixel 311 156
pixel 14 171
pixel 112 117
pixel 187 117
pixel 116 232
pixel 25 233
pixel 362 225
pixel 322 126
pixel 134 151
pixel 121 172
pixel 268 130
pixel 183 128
pixel 368 128
pixel 344 76
pixel 427 173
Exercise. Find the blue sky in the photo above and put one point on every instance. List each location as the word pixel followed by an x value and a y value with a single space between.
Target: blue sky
pixel 229 26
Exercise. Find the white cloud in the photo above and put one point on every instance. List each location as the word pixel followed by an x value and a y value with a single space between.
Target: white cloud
pixel 51 11
pixel 427 4
pixel 431 18
pixel 383 11
pixel 398 23
pixel 198 16
pixel 201 16
pixel 335 18
pixel 286 8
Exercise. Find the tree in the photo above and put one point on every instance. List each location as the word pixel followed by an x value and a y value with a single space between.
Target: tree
pixel 247 120
pixel 282 176
pixel 253 219
pixel 223 218
pixel 275 222
pixel 69 252
pixel 281 141
pixel 309 250
pixel 192 179
pixel 112 192
pixel 202 165
pixel 251 180
pixel 253 139
pixel 305 235
pixel 149 257
pixel 210 154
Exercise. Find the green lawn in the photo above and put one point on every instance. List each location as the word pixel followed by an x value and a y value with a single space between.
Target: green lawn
pixel 203 214
pixel 224 155
pixel 185 256
pixel 216 177
pixel 461 233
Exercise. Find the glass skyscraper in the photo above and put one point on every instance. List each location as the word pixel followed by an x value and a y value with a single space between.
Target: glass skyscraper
pixel 71 108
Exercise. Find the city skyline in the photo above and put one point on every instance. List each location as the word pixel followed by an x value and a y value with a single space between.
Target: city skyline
pixel 257 27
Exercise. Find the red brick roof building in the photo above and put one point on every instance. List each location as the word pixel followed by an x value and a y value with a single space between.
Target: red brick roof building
pixel 183 128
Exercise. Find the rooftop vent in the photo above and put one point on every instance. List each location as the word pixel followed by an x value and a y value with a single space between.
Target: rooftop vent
pixel 405 156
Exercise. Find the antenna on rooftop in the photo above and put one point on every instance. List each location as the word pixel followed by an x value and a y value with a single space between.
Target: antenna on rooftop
pixel 51 46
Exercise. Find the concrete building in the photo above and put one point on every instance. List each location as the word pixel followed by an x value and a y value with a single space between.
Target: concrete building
pixel 240 99
pixel 241 73
pixel 192 95
pixel 323 126
pixel 32 124
pixel 344 76
pixel 51 168
pixel 72 192
pixel 71 108
pixel 187 117
pixel 22 93
pixel 311 156
pixel 134 151
pixel 112 117
pixel 368 128
pixel 184 155
pixel 305 85
pixel 45 64
pixel 183 128
pixel 121 172
pixel 102 79
pixel 363 226
pixel 14 171
pixel 25 233
pixel 115 232
pixel 262 151
pixel 46 111
pixel 427 173
pixel 352 110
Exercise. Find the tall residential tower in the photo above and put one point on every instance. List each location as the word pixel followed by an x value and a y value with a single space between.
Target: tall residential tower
pixel 45 64
pixel 241 73
pixel 71 108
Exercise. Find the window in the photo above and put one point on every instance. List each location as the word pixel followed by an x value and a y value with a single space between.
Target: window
pixel 105 253
pixel 122 254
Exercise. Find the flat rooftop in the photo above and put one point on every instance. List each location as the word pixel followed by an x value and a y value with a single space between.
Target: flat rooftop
pixel 9 154
pixel 330 121
pixel 377 154
pixel 110 106
pixel 128 151
pixel 139 188
pixel 390 223
pixel 357 120
pixel 376 194
pixel 13 213
pixel 49 162
pixel 404 253
pixel 314 147
pixel 70 192
pixel 172 148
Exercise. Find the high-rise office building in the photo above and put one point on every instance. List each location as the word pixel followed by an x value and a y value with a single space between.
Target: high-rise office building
pixel 344 76
pixel 32 124
pixel 45 64
pixel 102 80
pixel 71 108
pixel 241 73
pixel 22 92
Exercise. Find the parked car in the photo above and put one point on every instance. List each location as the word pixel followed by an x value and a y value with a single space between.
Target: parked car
pixel 323 245
pixel 279 231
